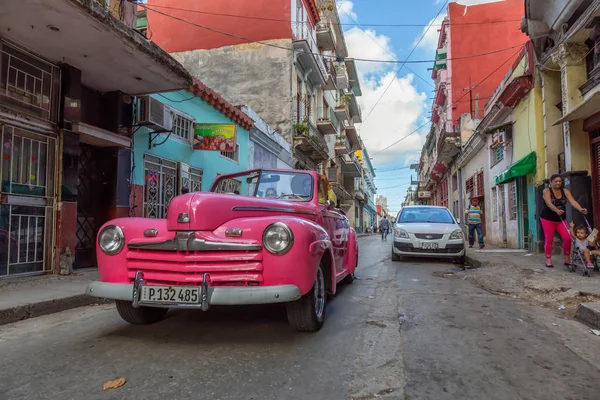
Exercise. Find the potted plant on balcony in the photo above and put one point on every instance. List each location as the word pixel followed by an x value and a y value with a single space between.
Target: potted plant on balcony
pixel 301 128
pixel 343 100
pixel 326 6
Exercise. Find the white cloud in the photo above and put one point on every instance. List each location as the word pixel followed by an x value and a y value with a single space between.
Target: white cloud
pixel 346 11
pixel 430 40
pixel 398 112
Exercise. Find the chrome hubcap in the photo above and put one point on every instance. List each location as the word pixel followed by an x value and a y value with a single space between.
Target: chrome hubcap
pixel 319 289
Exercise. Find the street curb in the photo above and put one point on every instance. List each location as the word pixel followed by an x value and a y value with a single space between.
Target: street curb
pixel 589 313
pixel 27 311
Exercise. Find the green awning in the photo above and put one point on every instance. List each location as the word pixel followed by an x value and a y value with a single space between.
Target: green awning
pixel 523 167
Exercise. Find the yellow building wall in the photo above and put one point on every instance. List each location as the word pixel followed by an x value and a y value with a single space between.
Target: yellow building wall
pixel 528 130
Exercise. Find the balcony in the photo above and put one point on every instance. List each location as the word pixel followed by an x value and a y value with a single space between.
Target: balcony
pixel 342 146
pixel 331 76
pixel 342 80
pixel 350 166
pixel 354 108
pixel 342 113
pixel 309 141
pixel 353 76
pixel 325 121
pixel 325 38
pixel 306 52
pixel 82 32
pixel 352 135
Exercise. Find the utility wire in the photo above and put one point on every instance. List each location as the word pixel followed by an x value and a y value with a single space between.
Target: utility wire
pixel 333 58
pixel 449 105
pixel 386 50
pixel 403 64
pixel 333 24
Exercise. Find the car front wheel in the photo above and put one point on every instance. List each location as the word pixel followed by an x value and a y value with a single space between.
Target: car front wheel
pixel 140 315
pixel 308 313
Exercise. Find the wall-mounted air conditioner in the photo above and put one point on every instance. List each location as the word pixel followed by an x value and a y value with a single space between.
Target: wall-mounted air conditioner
pixel 154 114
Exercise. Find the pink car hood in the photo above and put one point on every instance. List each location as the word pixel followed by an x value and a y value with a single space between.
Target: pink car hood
pixel 203 211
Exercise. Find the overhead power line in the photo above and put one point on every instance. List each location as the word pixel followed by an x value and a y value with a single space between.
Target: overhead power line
pixel 403 64
pixel 428 82
pixel 449 105
pixel 491 22
pixel 334 58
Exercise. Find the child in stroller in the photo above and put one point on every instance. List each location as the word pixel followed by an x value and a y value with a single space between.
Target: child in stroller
pixel 584 244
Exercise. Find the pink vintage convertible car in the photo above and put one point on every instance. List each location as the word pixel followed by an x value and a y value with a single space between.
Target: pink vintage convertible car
pixel 258 237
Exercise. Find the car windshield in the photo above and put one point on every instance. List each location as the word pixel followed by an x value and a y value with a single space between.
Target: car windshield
pixel 432 215
pixel 295 186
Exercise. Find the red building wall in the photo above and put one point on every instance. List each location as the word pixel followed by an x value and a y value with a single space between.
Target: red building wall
pixel 467 39
pixel 176 36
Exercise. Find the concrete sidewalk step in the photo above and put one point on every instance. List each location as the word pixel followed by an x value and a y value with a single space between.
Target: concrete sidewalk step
pixel 589 313
pixel 35 296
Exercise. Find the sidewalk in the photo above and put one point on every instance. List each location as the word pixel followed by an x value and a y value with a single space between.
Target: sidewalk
pixel 45 294
pixel 522 275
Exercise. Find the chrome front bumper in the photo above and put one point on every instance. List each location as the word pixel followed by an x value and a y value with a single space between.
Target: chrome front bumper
pixel 209 295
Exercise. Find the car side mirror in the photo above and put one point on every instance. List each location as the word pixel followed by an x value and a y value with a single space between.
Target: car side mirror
pixel 458 220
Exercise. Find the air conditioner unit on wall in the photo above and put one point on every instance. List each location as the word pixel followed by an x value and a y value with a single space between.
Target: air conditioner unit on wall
pixel 153 114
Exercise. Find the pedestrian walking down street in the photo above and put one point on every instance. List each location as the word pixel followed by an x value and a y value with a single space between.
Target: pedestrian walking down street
pixel 553 218
pixel 473 213
pixel 385 227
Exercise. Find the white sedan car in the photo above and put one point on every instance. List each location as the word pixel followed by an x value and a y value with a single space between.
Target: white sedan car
pixel 427 231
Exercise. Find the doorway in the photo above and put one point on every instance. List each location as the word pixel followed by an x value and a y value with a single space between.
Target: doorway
pixel 525 240
pixel 95 197
pixel 502 219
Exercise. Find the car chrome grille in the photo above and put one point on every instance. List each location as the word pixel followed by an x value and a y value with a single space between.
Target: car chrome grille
pixel 188 268
pixel 429 236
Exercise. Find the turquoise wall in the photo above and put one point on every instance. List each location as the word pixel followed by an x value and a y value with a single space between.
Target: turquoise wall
pixel 175 149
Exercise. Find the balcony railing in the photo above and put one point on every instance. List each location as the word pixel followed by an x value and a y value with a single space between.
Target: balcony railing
pixel 304 110
pixel 325 122
pixel 27 84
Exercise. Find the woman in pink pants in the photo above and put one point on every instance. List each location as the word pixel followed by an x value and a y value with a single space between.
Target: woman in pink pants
pixel 552 218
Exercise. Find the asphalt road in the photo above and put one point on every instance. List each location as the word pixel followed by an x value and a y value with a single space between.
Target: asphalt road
pixel 409 330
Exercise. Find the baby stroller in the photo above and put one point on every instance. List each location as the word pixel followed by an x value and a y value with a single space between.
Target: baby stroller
pixel 578 258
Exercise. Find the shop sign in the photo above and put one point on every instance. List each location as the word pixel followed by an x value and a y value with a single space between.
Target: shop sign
pixel 424 195
pixel 214 137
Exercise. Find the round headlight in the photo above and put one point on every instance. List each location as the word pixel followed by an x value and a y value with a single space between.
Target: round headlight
pixel 111 239
pixel 278 238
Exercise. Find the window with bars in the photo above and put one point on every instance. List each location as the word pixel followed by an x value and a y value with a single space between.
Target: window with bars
pixel 233 155
pixel 229 186
pixel 454 182
pixel 444 193
pixel 494 205
pixel 469 184
pixel 160 185
pixel 182 125
pixel 497 148
pixel 190 179
pixel 512 200
pixel 479 192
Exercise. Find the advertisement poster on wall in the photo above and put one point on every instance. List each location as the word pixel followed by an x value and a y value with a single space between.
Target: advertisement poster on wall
pixel 214 137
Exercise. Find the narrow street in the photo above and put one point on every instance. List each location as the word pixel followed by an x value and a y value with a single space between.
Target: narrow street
pixel 408 330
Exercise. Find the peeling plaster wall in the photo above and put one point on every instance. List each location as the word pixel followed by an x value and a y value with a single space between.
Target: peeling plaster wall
pixel 252 74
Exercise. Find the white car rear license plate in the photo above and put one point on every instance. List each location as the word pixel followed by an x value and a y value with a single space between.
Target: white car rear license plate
pixel 429 245
pixel 170 294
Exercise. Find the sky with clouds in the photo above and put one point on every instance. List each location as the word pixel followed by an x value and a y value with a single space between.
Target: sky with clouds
pixel 406 103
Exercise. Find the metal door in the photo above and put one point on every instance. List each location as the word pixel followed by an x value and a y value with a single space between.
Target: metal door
pixel 88 204
pixel 26 211
pixel 502 209
pixel 160 185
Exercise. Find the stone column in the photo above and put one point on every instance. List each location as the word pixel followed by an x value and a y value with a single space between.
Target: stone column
pixel 573 74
